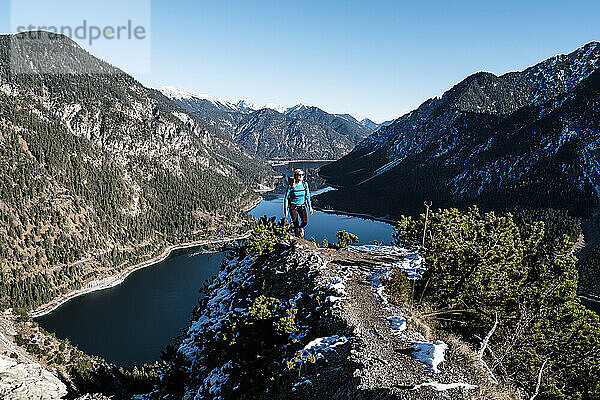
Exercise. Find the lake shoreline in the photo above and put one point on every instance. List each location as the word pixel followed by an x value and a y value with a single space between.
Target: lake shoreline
pixel 114 280
pixel 361 215
pixel 590 297
pixel 118 278
pixel 284 162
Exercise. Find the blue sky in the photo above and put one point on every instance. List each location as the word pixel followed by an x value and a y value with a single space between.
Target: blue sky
pixel 375 59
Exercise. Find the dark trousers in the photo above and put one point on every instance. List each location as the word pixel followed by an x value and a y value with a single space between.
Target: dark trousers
pixel 296 211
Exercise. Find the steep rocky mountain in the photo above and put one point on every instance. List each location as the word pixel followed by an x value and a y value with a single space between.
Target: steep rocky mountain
pixel 353 130
pixel 526 138
pixel 273 135
pixel 99 172
pixel 222 114
pixel 373 126
pixel 365 122
pixel 273 132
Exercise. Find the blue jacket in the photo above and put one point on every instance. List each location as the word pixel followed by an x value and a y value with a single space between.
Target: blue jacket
pixel 297 195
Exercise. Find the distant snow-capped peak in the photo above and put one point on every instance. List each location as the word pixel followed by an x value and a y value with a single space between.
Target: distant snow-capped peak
pixel 247 104
pixel 180 94
pixel 254 106
pixel 276 107
pixel 297 107
pixel 174 93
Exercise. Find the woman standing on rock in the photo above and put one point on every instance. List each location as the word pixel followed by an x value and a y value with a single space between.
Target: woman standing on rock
pixel 297 200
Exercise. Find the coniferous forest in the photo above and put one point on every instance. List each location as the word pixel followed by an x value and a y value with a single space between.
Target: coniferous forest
pixel 98 173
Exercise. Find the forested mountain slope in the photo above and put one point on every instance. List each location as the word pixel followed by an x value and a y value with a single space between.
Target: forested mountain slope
pixel 342 124
pixel 273 135
pixel 525 139
pixel 98 171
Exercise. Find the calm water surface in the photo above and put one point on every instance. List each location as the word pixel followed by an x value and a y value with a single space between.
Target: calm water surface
pixel 131 323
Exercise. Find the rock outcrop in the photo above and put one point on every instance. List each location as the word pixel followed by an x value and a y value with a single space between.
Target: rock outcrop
pixel 349 341
pixel 21 376
pixel 28 380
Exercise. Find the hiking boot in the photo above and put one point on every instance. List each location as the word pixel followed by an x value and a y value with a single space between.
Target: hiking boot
pixel 302 233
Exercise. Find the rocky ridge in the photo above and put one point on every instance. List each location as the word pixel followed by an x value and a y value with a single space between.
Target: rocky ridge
pixel 24 375
pixel 363 346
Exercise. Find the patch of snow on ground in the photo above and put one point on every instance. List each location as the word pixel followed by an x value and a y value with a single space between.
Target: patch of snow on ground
pixel 323 345
pixel 379 249
pixel 397 324
pixel 376 280
pixel 338 286
pixel 445 386
pixel 412 265
pixel 333 299
pixel 430 354
pixel 9 90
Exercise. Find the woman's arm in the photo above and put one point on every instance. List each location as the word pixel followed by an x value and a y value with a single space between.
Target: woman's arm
pixel 285 200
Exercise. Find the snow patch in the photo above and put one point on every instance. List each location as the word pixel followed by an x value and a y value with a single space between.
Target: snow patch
pixel 180 94
pixel 379 249
pixel 440 387
pixel 397 323
pixel 9 90
pixel 430 354
pixel 324 344
pixel 376 280
pixel 277 107
pixel 412 265
pixel 337 285
pixel 273 106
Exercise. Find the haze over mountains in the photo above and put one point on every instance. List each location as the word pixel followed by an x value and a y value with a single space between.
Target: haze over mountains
pixel 522 139
pixel 275 132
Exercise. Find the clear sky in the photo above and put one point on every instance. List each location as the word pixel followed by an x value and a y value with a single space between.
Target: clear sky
pixel 376 59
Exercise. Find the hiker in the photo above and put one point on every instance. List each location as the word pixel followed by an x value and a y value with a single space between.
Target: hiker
pixel 297 199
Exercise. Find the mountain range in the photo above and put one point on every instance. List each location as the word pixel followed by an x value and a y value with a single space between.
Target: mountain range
pixel 99 172
pixel 276 132
pixel 522 139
